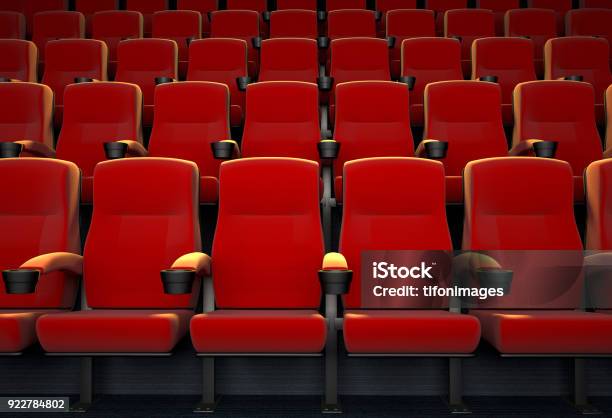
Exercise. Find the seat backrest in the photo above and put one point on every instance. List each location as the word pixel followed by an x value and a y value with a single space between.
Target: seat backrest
pixel 589 22
pixel 469 23
pixel 350 23
pixel 140 61
pixel 290 59
pixel 499 8
pixel 50 26
pixel 269 217
pixel 466 114
pixel 12 25
pixel 19 60
pixel 71 58
pixel 256 5
pixel 510 59
pixel 599 4
pixel 282 120
pixel 147 8
pixel 26 111
pixel 372 120
pixel 113 26
pixel 240 24
pixel 95 113
pixel 30 7
pixel 409 23
pixel 598 182
pixel 354 59
pixel 202 6
pixel 538 24
pixel 560 7
pixel 344 4
pixel 559 111
pixel 608 104
pixel 139 229
pixel 296 4
pixel 39 214
pixel 185 125
pixel 439 7
pixel 91 7
pixel 388 5
pixel 380 213
pixel 181 26
pixel 293 24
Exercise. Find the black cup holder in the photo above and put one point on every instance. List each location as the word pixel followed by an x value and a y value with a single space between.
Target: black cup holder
pixel 335 282
pixel 495 278
pixel 574 77
pixel 408 80
pixel 436 150
pixel 20 281
pixel 79 80
pixel 243 82
pixel 5 80
pixel 266 15
pixel 391 41
pixel 325 83
pixel 163 80
pixel 328 149
pixel 256 42
pixel 222 150
pixel 115 150
pixel 489 78
pixel 323 42
pixel 525 36
pixel 545 149
pixel 10 150
pixel 177 282
pixel 378 15
pixel 321 15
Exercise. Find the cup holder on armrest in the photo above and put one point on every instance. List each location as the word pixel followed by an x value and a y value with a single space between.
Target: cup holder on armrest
pixel 178 282
pixel 10 150
pixel 20 281
pixel 493 278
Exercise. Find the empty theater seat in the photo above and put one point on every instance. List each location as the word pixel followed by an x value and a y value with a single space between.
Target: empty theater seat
pixel 467 115
pixel 597 181
pixel 39 218
pixel 559 111
pixel 385 6
pixel 289 59
pixel 351 23
pixel 293 24
pixel 590 22
pixel 238 24
pixel 50 26
pixel 429 60
pixel 536 24
pixel 202 6
pixel 68 59
pixel 20 60
pixel 26 116
pixel 344 4
pixel 181 26
pixel 221 60
pixel 258 6
pixel 95 113
pixel 90 7
pixel 406 24
pixel 147 8
pixel 584 56
pixel 141 61
pixel 296 4
pixel 560 7
pixel 439 7
pixel 499 8
pixel 372 120
pixel 30 7
pixel 468 25
pixel 12 25
pixel 508 59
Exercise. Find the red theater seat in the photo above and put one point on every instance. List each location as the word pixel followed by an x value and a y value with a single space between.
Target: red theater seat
pixel 351 23
pixel 181 26
pixel 289 59
pixel 499 8
pixel 344 4
pixel 50 26
pixel 68 59
pixel 590 22
pixel 141 61
pixel 536 24
pixel 296 4
pixel 510 60
pixel 147 8
pixel 372 120
pixel 559 111
pixel 238 24
pixel 429 60
pixel 293 24
pixel 95 113
pixel 466 114
pixel 598 177
pixel 30 7
pixel 585 56
pixel 222 61
pixel 202 6
pixel 20 60
pixel 12 25
pixel 599 4
pixel 185 126
pixel 258 6
pixel 608 101
pixel 560 7
pixel 90 7
pixel 468 25
pixel 440 7
pixel 39 217
pixel 407 24
pixel 385 6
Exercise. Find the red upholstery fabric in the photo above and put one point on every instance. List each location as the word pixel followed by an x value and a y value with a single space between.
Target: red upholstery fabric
pixel 275 227
pixel 30 7
pixel 345 4
pixel 289 60
pixel 510 59
pixel 429 60
pixel 581 55
pixel 202 6
pixel 140 61
pixel 256 5
pixel 12 25
pixel 546 332
pixel 139 229
pixel 607 4
pixel 467 114
pixel 538 24
pixel 108 331
pixel 440 7
pixel 259 331
pixel 147 8
pixel 112 27
pixel 221 61
pixel 296 4
pixel 469 25
pixel 608 99
pixel 561 7
pixel 406 24
pixel 598 177
pixel 90 7
pixel 351 23
pixel 20 60
pixel 282 121
pixel 25 112
pixel 293 24
pixel 372 120
pixel 18 329
pixel 179 26
pixel 96 113
pixel 590 22
pixel 499 8
pixel 560 111
pixel 185 126
pixel 238 24
pixel 385 6
pixel 410 331
pixel 49 26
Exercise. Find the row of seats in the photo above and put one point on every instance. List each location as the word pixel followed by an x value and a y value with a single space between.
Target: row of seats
pixel 372 119
pixel 268 247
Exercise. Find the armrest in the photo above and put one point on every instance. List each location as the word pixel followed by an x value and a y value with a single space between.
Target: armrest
pixel 243 82
pixel 134 148
pixel 6 80
pixel 484 268
pixel 573 77
pixel 323 42
pixel 256 42
pixel 432 149
pixel 328 149
pixel 200 263
pixel 408 80
pixel 163 80
pixel 24 279
pixel 537 147
pixel 608 153
pixel 79 80
pixel 325 83
pixel 335 277
pixel 179 279
pixel 124 148
pixel 489 78
pixel 37 149
pixel 391 41
pixel 225 150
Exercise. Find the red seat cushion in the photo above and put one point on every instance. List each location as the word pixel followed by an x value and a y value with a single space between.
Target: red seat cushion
pixel 259 331
pixel 111 331
pixel 17 329
pixel 410 331
pixel 547 332
pixel 209 189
